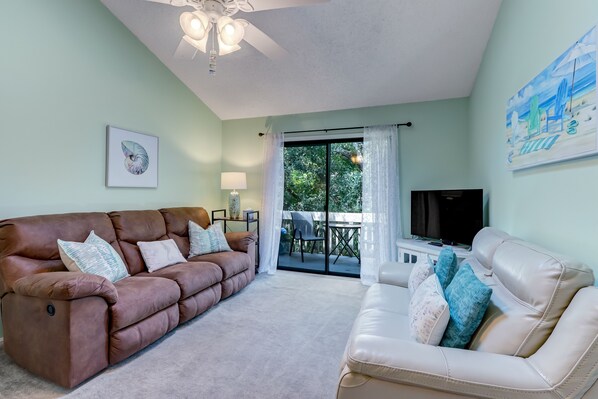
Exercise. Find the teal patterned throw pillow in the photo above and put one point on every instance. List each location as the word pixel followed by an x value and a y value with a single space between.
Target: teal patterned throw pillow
pixel 446 266
pixel 206 241
pixel 94 256
pixel 468 298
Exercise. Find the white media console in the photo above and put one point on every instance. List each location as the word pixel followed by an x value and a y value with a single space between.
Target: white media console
pixel 410 250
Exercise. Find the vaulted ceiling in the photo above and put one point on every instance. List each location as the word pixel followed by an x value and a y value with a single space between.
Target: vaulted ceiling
pixel 341 54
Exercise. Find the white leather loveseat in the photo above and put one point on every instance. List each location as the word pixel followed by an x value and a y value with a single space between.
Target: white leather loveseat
pixel 538 339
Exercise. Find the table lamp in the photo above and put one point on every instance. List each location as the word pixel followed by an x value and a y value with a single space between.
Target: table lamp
pixel 233 181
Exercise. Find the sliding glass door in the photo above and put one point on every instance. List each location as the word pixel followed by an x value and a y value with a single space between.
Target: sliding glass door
pixel 322 207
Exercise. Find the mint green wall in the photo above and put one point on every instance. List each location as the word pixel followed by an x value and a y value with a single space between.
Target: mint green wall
pixel 433 153
pixel 58 92
pixel 79 70
pixel 552 205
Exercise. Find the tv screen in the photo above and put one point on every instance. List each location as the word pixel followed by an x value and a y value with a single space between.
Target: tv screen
pixel 453 216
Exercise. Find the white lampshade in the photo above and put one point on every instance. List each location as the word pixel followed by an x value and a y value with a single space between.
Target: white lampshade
pixel 231 32
pixel 233 181
pixel 195 24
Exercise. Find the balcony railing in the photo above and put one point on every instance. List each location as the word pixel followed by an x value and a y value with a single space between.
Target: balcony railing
pixel 337 219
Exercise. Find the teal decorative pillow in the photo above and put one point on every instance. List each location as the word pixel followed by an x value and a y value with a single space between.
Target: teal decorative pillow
pixel 446 266
pixel 468 299
pixel 206 241
pixel 94 256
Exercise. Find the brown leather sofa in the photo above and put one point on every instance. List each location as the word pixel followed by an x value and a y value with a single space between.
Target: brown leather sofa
pixel 67 326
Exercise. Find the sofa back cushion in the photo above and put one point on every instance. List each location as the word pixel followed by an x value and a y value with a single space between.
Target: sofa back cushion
pixel 28 244
pixel 485 243
pixel 531 289
pixel 134 226
pixel 177 224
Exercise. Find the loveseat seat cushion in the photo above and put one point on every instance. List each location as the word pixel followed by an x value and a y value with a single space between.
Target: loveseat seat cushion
pixel 531 289
pixel 382 323
pixel 231 263
pixel 141 297
pixel 191 277
pixel 386 297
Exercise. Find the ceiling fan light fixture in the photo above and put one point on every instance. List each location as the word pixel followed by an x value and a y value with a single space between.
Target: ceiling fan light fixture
pixel 224 49
pixel 230 32
pixel 195 24
pixel 201 45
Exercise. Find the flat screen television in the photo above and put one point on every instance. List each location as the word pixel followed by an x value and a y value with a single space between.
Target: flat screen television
pixel 452 216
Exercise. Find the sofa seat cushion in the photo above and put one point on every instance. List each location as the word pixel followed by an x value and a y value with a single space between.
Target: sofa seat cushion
pixel 390 298
pixel 382 323
pixel 139 298
pixel 191 277
pixel 231 263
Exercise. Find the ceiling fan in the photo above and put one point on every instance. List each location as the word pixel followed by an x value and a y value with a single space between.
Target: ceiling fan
pixel 215 16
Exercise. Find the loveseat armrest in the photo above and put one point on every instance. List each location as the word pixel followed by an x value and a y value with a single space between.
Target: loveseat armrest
pixel 66 286
pixel 395 273
pixel 242 241
pixel 462 371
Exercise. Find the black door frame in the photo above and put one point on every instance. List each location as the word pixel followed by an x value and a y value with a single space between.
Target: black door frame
pixel 327 143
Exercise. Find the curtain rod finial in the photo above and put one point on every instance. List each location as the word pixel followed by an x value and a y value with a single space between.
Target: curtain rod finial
pixel 261 134
pixel 409 124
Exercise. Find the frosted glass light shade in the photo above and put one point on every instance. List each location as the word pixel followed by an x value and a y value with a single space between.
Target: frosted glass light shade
pixel 195 24
pixel 198 44
pixel 224 49
pixel 233 181
pixel 231 32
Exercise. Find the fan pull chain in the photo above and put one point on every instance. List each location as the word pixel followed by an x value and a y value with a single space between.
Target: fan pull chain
pixel 212 64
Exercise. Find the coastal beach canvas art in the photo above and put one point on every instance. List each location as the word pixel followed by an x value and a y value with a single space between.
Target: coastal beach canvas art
pixel 553 117
pixel 132 159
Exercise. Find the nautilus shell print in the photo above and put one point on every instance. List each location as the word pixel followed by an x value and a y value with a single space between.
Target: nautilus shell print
pixel 136 158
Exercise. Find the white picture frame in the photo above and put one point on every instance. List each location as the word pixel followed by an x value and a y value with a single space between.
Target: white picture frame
pixel 131 158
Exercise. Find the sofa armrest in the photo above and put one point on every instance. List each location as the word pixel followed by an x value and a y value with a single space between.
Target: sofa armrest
pixel 479 374
pixel 395 273
pixel 66 286
pixel 241 241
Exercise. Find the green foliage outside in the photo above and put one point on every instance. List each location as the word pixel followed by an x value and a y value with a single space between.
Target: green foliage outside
pixel 305 178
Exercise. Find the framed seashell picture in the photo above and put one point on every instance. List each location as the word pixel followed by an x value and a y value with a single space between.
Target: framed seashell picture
pixel 131 158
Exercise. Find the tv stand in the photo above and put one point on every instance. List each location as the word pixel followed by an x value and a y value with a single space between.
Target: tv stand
pixel 411 250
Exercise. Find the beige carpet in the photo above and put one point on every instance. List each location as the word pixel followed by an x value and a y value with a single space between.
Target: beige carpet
pixel 281 337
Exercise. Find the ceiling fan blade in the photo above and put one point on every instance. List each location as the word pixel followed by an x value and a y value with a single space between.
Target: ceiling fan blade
pixel 262 42
pixel 261 5
pixel 185 50
pixel 176 3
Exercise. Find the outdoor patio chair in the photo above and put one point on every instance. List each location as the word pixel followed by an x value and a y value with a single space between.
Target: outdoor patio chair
pixel 303 230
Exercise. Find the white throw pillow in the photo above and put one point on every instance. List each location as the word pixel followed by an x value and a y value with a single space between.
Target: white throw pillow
pixel 94 256
pixel 428 312
pixel 206 241
pixel 159 254
pixel 423 269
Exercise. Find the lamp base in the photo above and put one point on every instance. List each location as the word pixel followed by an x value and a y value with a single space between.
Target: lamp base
pixel 234 205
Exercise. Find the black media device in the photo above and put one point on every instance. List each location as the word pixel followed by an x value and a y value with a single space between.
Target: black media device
pixel 453 216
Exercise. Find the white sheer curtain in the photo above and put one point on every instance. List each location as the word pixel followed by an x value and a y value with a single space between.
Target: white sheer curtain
pixel 381 226
pixel 272 202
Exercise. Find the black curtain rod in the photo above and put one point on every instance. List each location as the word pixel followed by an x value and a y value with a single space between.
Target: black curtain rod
pixel 408 124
